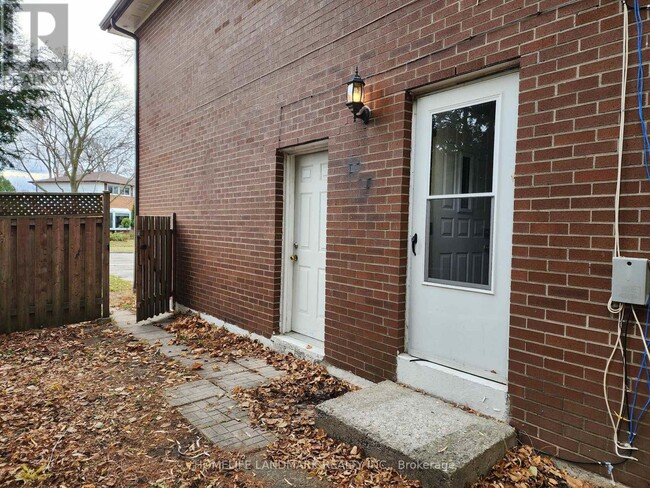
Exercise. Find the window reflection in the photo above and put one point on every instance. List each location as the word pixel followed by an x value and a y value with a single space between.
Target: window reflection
pixel 462 150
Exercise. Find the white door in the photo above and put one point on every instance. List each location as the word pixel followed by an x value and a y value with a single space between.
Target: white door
pixel 310 214
pixel 462 199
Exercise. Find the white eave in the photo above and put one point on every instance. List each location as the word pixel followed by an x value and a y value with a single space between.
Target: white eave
pixel 129 14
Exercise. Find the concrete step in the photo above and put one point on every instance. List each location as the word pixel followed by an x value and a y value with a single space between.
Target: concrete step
pixel 423 437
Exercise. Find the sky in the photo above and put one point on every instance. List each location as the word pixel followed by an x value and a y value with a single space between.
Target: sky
pixel 84 37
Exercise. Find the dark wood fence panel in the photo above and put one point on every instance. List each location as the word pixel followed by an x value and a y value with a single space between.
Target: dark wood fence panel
pixel 54 259
pixel 154 274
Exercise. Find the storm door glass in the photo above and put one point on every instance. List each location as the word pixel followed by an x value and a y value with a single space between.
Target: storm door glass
pixel 460 205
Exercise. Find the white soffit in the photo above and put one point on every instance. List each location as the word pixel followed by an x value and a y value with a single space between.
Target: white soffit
pixel 135 14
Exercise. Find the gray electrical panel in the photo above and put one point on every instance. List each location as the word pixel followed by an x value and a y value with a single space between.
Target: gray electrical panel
pixel 630 280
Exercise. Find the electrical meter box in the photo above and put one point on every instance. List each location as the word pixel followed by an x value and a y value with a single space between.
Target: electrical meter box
pixel 630 280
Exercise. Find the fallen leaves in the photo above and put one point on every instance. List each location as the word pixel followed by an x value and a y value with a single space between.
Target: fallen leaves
pixel 522 467
pixel 123 299
pixel 217 342
pixel 82 406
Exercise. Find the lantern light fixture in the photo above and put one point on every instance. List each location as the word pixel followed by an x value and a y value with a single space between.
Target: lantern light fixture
pixel 356 89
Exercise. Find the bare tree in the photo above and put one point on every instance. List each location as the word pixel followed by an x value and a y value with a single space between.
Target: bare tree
pixel 88 125
pixel 21 99
pixel 126 51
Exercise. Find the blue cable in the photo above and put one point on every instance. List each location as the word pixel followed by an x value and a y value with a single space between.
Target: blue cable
pixel 645 366
pixel 640 86
pixel 634 422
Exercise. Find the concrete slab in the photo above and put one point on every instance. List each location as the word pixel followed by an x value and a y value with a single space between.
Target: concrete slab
pixel 299 345
pixel 423 437
pixel 481 395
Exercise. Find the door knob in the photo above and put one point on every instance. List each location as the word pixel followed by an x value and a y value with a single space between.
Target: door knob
pixel 294 258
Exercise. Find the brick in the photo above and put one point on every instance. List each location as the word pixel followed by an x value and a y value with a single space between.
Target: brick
pixel 220 102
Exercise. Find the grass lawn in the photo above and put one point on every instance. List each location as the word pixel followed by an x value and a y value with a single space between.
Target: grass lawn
pixel 120 285
pixel 123 246
pixel 122 295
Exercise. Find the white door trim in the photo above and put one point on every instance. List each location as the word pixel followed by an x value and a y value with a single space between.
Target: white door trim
pixel 414 118
pixel 288 223
pixel 286 272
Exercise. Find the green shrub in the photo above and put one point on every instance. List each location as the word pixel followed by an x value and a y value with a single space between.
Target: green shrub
pixel 119 236
pixel 126 223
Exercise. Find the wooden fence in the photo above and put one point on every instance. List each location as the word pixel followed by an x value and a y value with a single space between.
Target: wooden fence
pixel 154 266
pixel 54 259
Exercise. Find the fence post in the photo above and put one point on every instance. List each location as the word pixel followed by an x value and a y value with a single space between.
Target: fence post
pixel 106 248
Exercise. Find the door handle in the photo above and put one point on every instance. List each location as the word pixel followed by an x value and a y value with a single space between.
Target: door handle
pixel 414 241
pixel 294 258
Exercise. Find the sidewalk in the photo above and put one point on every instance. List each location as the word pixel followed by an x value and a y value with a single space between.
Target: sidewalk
pixel 122 265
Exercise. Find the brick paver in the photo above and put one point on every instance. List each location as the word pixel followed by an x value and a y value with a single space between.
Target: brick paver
pixel 244 379
pixel 206 403
pixel 192 392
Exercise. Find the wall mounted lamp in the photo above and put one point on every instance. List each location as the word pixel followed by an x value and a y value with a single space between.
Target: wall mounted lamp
pixel 356 88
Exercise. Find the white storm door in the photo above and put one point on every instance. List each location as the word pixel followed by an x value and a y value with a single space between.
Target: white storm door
pixel 310 214
pixel 462 203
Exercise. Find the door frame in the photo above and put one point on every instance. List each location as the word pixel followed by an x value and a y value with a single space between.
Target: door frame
pixel 441 87
pixel 288 223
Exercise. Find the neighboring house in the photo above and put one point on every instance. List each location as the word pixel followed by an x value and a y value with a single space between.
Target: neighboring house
pixel 122 192
pixel 460 242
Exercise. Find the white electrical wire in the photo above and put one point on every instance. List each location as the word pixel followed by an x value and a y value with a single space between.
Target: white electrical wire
pixel 621 133
pixel 621 130
pixel 618 310
pixel 617 422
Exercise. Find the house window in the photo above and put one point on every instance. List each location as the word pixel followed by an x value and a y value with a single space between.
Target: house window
pixel 461 196
pixel 119 190
pixel 117 217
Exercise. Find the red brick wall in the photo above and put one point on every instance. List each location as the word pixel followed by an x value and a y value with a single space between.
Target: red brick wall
pixel 122 201
pixel 226 85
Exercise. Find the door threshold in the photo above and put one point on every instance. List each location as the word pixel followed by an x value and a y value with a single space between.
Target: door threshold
pixel 484 396
pixel 300 345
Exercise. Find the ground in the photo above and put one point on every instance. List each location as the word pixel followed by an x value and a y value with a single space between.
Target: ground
pixel 82 406
pixel 122 293
pixel 85 405
pixel 127 246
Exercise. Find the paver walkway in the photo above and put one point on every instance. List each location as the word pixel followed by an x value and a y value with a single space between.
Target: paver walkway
pixel 206 403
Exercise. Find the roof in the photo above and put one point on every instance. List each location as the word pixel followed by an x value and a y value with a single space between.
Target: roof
pixel 129 14
pixel 96 177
